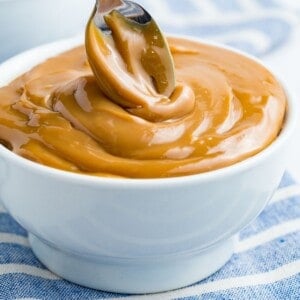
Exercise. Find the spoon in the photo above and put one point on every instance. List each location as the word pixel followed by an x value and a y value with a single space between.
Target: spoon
pixel 129 43
pixel 128 9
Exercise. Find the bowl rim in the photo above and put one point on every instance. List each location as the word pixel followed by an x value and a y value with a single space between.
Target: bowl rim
pixel 24 63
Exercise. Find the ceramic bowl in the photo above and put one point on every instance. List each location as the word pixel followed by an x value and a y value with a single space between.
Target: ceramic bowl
pixel 27 23
pixel 135 236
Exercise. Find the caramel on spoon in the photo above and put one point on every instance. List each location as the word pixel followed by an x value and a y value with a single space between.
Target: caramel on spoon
pixel 132 61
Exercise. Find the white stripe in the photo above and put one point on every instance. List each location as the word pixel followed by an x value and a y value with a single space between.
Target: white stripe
pixel 249 5
pixel 290 4
pixel 268 235
pixel 281 273
pixel 285 193
pixel 13 239
pixel 206 7
pixel 27 270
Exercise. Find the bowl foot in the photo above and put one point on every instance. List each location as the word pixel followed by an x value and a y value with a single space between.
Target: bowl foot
pixel 131 276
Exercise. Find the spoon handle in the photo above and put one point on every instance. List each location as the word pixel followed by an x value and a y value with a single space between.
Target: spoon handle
pixel 105 6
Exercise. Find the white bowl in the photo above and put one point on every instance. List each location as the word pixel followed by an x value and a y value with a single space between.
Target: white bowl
pixel 135 236
pixel 27 23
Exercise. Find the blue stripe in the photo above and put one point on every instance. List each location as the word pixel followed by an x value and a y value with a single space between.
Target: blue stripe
pixel 14 286
pixel 268 4
pixel 268 25
pixel 287 289
pixel 286 180
pixel 274 214
pixel 16 254
pixel 9 225
pixel 283 250
pixel 276 30
pixel 246 46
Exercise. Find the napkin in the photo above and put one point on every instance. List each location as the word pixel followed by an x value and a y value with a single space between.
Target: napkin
pixel 265 265
pixel 266 261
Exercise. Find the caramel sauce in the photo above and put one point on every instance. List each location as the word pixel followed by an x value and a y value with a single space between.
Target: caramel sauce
pixel 224 109
pixel 134 68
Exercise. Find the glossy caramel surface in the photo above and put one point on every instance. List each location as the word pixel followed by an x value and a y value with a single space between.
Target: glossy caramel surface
pixel 57 115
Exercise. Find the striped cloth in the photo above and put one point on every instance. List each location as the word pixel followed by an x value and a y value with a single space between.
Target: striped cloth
pixel 266 262
pixel 265 265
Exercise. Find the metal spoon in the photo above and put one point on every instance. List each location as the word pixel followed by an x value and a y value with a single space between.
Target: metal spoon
pixel 156 58
pixel 128 9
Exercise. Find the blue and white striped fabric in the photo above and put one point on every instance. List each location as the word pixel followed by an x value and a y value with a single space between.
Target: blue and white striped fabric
pixel 266 263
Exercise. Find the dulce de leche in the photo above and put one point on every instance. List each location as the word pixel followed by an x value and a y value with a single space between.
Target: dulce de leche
pixel 225 108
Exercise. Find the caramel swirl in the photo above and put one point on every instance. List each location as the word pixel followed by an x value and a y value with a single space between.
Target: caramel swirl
pixel 57 115
pixel 134 69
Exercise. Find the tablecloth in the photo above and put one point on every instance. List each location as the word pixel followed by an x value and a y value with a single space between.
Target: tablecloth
pixel 266 262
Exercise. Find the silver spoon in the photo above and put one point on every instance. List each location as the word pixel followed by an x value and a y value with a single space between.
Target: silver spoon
pixel 129 9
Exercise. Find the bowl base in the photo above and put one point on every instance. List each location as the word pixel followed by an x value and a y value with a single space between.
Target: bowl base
pixel 131 276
